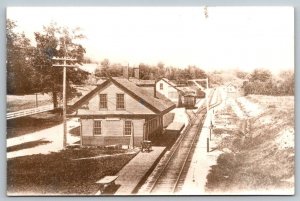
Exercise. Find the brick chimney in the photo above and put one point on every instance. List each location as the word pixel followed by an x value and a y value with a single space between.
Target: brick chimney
pixel 136 73
pixel 125 72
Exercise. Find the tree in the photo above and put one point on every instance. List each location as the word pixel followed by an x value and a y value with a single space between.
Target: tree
pixel 109 69
pixel 20 73
pixel 161 69
pixel 241 74
pixel 287 83
pixel 262 82
pixel 144 71
pixel 261 75
pixel 55 41
pixel 105 67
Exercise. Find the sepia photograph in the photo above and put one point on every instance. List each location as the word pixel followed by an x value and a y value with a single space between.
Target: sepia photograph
pixel 135 101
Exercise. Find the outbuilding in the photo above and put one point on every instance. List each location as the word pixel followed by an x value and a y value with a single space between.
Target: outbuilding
pixel 169 90
pixel 230 88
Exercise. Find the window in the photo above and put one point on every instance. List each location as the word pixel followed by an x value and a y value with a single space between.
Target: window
pixel 120 101
pixel 97 127
pixel 103 101
pixel 127 128
pixel 161 86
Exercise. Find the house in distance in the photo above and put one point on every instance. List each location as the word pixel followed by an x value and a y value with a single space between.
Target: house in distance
pixel 169 90
pixel 230 88
pixel 117 111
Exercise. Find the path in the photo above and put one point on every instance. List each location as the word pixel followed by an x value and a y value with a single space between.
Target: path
pixel 54 135
pixel 137 170
pixel 195 180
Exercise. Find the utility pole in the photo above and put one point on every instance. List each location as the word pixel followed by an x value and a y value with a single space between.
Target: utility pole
pixel 64 65
pixel 211 126
pixel 207 144
pixel 207 103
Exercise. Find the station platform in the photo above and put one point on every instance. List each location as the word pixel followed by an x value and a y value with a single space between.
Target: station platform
pixel 134 173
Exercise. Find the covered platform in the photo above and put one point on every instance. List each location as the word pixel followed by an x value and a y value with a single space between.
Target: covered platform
pixel 174 128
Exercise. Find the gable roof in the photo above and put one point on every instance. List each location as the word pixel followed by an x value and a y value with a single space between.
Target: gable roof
pixel 143 96
pixel 88 96
pixel 231 84
pixel 157 105
pixel 170 83
pixel 164 99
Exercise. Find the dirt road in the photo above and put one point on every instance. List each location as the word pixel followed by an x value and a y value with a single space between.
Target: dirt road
pixel 46 140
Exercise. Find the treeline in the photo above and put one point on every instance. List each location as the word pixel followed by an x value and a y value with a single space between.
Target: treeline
pixel 30 68
pixel 263 82
pixel 151 72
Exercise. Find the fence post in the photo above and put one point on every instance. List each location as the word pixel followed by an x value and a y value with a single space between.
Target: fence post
pixel 36 100
pixel 207 144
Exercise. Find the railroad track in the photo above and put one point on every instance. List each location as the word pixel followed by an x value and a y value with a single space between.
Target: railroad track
pixel 172 175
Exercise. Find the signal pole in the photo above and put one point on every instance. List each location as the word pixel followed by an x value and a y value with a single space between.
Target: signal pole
pixel 207 103
pixel 64 65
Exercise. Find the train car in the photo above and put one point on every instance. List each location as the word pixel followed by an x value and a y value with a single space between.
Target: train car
pixel 189 101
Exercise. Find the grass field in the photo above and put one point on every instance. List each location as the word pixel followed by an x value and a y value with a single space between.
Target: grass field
pixel 20 102
pixel 61 173
pixel 16 103
pixel 263 160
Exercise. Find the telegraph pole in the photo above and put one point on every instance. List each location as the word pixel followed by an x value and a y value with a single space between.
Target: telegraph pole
pixel 207 103
pixel 64 65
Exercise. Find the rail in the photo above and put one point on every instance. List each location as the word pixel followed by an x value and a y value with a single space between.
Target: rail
pixel 193 142
pixel 182 157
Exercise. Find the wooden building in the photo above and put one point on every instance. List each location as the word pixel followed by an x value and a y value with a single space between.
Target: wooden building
pixel 169 90
pixel 231 88
pixel 119 112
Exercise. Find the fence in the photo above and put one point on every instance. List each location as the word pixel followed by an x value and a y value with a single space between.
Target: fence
pixel 23 113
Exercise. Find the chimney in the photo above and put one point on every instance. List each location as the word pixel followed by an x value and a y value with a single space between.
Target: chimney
pixel 136 72
pixel 125 72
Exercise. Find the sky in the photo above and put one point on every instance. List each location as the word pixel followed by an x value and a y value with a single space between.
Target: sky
pixel 229 38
